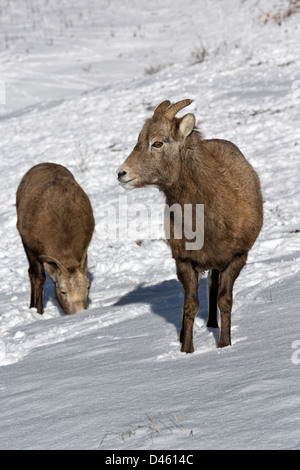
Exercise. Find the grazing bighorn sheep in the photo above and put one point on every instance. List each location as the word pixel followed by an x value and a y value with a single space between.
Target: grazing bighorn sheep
pixel 171 155
pixel 56 223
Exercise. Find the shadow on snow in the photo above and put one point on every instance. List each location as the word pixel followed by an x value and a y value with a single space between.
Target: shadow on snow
pixel 166 300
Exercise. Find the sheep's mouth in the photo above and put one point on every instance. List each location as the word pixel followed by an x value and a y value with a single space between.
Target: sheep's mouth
pixel 126 184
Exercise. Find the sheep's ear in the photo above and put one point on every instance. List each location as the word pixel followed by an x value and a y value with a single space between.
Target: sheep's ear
pixel 83 262
pixel 187 125
pixel 53 266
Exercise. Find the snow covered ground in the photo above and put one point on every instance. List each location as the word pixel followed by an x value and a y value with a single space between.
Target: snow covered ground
pixel 77 80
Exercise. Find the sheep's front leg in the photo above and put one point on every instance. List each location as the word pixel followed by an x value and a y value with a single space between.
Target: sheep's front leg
pixel 189 279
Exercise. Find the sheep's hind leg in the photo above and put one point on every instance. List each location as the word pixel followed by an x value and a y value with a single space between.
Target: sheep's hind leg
pixel 227 279
pixel 37 278
pixel 213 288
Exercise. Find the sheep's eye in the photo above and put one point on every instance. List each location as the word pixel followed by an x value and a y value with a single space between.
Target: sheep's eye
pixel 63 293
pixel 157 145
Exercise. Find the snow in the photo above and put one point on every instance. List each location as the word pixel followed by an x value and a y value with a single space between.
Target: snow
pixel 77 81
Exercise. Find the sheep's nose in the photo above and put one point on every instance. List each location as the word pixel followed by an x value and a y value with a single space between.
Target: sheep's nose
pixel 121 173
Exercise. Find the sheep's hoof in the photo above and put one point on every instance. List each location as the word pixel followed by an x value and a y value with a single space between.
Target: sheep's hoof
pixel 187 350
pixel 224 344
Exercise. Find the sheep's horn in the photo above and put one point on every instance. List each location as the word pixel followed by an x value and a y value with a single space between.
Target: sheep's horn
pixel 159 111
pixel 171 112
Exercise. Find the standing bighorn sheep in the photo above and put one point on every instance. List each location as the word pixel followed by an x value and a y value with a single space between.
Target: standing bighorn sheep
pixel 56 223
pixel 171 155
